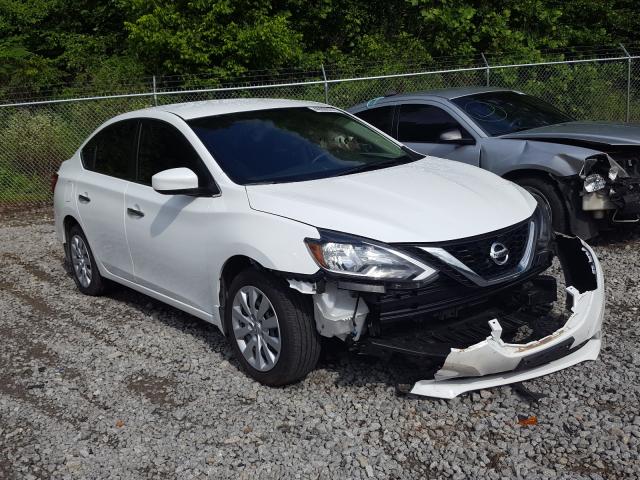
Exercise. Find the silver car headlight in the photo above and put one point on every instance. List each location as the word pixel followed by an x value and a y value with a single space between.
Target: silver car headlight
pixel 355 257
pixel 594 183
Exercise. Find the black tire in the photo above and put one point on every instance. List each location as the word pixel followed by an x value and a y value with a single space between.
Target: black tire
pixel 96 284
pixel 299 340
pixel 548 197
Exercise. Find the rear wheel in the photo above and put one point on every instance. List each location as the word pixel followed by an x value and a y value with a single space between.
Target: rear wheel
pixel 83 264
pixel 548 198
pixel 270 328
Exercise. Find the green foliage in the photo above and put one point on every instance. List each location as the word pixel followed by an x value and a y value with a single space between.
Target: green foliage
pixel 45 42
pixel 32 141
pixel 16 187
pixel 223 37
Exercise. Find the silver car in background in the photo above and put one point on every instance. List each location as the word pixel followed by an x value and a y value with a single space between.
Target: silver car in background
pixel 587 174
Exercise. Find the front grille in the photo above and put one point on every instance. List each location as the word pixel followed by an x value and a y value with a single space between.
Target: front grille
pixel 474 253
pixel 443 293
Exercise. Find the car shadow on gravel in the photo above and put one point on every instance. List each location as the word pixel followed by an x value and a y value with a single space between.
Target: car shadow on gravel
pixel 348 369
pixel 155 310
pixel 617 237
pixel 354 369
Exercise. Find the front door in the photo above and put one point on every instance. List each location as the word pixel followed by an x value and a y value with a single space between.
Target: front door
pixel 169 235
pixel 420 127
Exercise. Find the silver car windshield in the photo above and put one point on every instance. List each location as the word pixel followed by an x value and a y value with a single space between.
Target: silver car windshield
pixel 295 144
pixel 500 113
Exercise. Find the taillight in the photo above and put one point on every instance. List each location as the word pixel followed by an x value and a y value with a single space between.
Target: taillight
pixel 54 180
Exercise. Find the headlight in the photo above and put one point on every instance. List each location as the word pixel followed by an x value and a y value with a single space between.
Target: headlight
pixel 594 182
pixel 542 219
pixel 355 257
pixel 614 172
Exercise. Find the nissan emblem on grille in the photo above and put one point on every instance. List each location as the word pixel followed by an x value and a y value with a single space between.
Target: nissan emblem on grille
pixel 499 253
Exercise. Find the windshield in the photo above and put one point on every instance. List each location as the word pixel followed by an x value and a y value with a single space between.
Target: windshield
pixel 499 113
pixel 294 144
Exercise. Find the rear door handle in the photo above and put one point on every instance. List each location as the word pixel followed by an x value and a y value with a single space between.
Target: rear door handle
pixel 84 198
pixel 135 213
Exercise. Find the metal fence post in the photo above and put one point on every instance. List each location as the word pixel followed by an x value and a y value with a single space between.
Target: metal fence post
pixel 326 85
pixel 628 116
pixel 155 95
pixel 484 59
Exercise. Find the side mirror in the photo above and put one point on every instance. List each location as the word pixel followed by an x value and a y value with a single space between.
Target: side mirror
pixel 455 137
pixel 176 181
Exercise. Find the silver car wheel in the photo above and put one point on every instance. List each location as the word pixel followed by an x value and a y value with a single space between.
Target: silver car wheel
pixel 81 261
pixel 256 328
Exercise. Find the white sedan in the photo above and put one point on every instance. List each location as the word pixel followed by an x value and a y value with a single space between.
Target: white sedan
pixel 282 222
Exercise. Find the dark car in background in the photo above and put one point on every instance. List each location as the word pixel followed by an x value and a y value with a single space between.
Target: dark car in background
pixel 587 174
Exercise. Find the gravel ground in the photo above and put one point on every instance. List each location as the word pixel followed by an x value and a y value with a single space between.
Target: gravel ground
pixel 125 387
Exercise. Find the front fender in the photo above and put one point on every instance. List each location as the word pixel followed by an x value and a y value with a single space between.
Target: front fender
pixel 274 242
pixel 505 156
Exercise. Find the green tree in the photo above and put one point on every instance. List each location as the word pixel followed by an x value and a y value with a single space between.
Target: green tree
pixel 224 37
pixel 106 42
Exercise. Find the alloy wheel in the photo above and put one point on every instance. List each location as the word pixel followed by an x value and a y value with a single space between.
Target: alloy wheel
pixel 256 328
pixel 81 261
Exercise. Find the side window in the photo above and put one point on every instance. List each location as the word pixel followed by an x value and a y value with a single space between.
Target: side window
pixel 425 123
pixel 162 147
pixel 111 151
pixel 381 117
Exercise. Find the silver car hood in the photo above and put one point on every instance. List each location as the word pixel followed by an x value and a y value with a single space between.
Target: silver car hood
pixel 604 133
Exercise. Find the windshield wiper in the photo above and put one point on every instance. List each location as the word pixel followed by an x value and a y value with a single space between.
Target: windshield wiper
pixel 376 166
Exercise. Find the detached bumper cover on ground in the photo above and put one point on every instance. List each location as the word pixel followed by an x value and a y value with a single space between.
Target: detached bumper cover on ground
pixel 493 362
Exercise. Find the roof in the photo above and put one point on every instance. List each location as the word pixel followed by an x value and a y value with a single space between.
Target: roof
pixel 446 93
pixel 190 110
pixel 451 93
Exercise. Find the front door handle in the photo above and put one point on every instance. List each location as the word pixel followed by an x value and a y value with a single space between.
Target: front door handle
pixel 84 198
pixel 135 213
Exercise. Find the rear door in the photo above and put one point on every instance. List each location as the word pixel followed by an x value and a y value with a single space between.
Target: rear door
pixel 109 165
pixel 420 126
pixel 169 235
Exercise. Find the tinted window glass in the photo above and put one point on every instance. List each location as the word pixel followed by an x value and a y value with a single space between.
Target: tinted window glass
pixel 111 151
pixel 163 147
pixel 381 118
pixel 498 113
pixel 425 123
pixel 294 144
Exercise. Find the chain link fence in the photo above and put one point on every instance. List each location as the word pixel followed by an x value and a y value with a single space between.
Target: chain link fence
pixel 37 134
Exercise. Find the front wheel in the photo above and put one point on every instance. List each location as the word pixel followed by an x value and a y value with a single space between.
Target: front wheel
pixel 270 328
pixel 548 198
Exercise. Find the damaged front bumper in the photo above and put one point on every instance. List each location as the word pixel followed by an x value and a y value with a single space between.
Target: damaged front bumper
pixel 465 338
pixel 621 199
pixel 493 362
pixel 610 187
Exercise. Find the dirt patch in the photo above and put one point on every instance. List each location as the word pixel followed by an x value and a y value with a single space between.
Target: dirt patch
pixel 16 387
pixel 15 211
pixel 159 391
pixel 31 268
pixel 36 304
pixel 39 351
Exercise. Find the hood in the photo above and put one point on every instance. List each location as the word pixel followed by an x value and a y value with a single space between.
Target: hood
pixel 429 200
pixel 587 133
